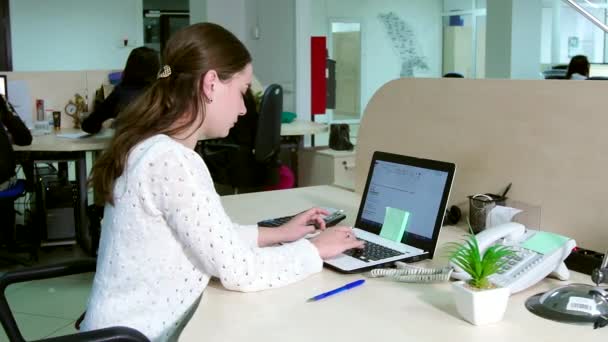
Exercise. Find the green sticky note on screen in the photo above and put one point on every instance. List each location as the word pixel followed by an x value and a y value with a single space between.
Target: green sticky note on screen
pixel 545 243
pixel 395 224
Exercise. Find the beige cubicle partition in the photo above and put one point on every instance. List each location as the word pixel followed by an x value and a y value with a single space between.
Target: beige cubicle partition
pixel 56 88
pixel 549 138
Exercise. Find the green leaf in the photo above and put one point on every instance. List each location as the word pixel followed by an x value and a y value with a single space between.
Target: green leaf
pixel 478 265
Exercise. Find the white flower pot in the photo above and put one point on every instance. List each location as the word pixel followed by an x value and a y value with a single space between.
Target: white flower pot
pixel 480 306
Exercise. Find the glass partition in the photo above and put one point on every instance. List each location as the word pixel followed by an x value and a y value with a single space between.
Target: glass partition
pixel 464 34
pixel 589 9
pixel 345 67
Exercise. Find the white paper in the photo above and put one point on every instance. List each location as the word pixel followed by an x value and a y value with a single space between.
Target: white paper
pixel 19 96
pixel 77 135
pixel 500 215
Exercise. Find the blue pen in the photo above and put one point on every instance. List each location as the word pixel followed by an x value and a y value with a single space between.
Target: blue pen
pixel 338 290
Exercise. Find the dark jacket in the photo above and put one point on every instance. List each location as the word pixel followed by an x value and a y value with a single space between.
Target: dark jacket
pixel 12 131
pixel 118 99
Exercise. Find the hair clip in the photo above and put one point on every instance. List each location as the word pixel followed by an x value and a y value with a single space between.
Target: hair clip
pixel 164 72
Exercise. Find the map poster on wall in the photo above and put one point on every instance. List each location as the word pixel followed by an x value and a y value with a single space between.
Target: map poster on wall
pixel 404 44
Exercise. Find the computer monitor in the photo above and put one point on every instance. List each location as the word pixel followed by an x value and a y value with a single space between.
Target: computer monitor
pixel 3 87
pixel 598 70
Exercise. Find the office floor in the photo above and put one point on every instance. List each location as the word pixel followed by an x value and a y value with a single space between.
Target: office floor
pixel 47 308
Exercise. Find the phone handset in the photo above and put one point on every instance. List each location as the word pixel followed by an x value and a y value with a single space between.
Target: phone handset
pixel 508 232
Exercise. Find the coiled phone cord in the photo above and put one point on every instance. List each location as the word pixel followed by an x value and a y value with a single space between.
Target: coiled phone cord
pixel 411 274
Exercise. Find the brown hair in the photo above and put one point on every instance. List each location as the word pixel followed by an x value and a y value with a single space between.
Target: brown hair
pixel 579 64
pixel 190 53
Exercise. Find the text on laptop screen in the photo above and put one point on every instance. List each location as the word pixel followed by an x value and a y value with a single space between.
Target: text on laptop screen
pixel 416 190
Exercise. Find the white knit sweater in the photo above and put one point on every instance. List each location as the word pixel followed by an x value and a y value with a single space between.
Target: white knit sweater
pixel 166 235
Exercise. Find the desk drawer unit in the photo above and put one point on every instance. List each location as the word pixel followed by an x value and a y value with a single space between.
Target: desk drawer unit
pixel 344 172
pixel 327 167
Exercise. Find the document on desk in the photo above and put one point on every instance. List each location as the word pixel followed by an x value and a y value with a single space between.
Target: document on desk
pixel 20 98
pixel 76 135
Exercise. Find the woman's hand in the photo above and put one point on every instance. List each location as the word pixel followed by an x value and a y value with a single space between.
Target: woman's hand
pixel 303 224
pixel 298 227
pixel 336 240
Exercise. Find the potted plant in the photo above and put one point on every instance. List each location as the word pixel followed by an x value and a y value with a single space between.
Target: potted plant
pixel 478 300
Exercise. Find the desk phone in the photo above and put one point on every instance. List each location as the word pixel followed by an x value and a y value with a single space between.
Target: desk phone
pixel 526 267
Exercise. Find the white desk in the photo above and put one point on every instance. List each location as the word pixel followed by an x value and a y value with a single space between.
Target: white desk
pixel 53 143
pixel 292 138
pixel 379 310
pixel 300 127
pixel 51 147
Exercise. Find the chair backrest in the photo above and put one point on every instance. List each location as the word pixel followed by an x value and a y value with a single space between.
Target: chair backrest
pixel 268 135
pixel 14 191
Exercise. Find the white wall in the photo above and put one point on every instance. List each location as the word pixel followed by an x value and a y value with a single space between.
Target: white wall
pixel 74 34
pixel 231 14
pixel 513 39
pixel 498 39
pixel 198 11
pixel 546 35
pixel 274 49
pixel 380 63
pixel 526 39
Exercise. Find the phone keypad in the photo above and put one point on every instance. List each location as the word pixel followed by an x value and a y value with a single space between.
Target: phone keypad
pixel 516 266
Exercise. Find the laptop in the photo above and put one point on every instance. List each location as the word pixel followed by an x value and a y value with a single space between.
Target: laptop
pixel 407 186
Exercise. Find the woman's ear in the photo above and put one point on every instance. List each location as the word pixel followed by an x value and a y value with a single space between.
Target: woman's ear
pixel 208 80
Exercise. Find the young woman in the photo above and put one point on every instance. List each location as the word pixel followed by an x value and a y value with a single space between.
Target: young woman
pixel 165 232
pixel 140 71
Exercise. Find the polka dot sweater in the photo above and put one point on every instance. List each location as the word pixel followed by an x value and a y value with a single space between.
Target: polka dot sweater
pixel 166 235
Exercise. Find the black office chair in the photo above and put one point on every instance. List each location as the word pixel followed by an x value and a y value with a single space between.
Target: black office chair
pixel 7 211
pixel 51 271
pixel 246 166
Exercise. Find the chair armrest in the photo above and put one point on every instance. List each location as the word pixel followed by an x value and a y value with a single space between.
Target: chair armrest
pixel 222 145
pixel 42 272
pixel 122 334
pixel 47 271
pixel 216 148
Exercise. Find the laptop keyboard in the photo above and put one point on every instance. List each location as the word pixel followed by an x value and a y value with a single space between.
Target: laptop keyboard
pixel 372 252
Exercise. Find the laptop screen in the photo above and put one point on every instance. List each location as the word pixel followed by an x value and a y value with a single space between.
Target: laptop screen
pixel 408 188
pixel 417 186
pixel 3 86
